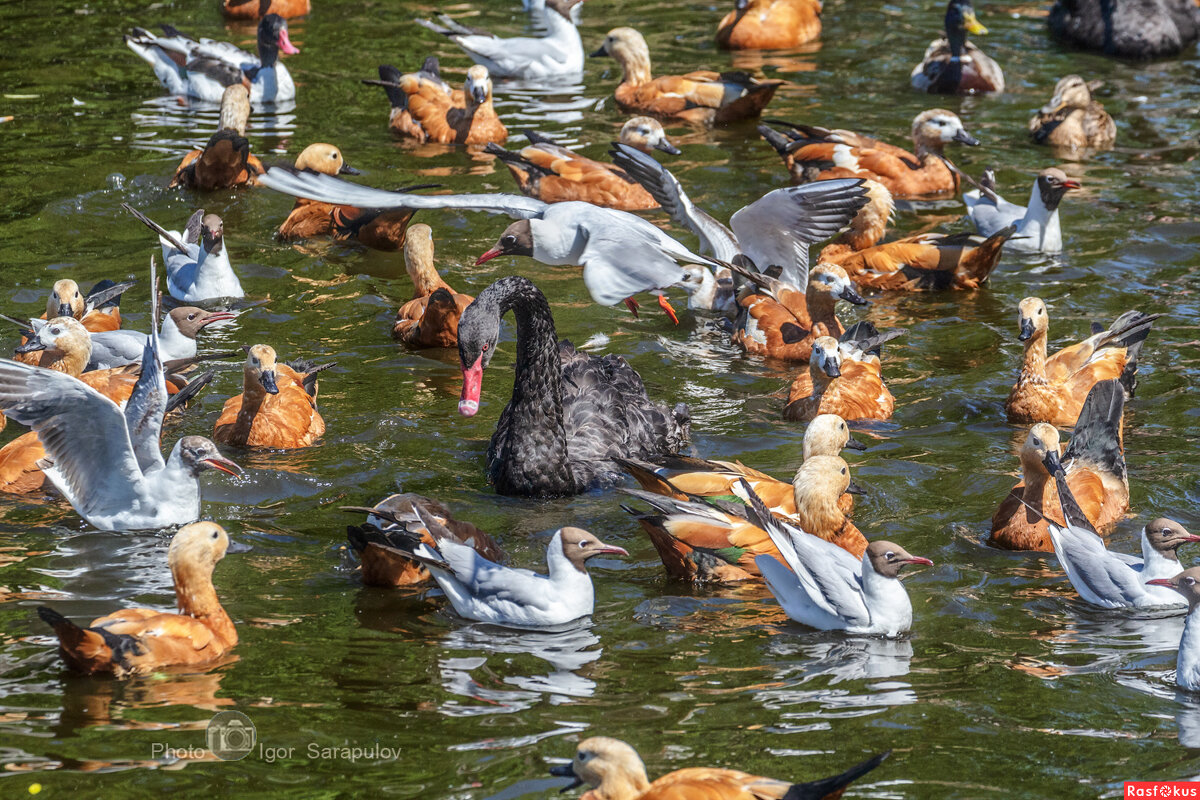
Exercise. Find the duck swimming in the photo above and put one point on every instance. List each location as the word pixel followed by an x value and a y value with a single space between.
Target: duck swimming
pixel 843 378
pixel 1054 388
pixel 552 173
pixel 570 414
pixel 277 407
pixel 1128 29
pixel 204 68
pixel 704 98
pixel 426 109
pixel 255 9
pixel 952 65
pixel 138 641
pixel 812 153
pixel 225 162
pixel 1072 120
pixel 431 318
pixel 769 24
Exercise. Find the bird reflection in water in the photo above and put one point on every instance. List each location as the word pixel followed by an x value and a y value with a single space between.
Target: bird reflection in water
pixel 1094 641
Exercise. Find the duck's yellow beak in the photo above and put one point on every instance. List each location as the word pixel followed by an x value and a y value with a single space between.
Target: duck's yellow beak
pixel 972 24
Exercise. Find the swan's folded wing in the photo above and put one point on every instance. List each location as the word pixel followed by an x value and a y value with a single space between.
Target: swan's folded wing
pixel 715 239
pixel 777 228
pixel 1100 577
pixel 82 431
pixel 327 189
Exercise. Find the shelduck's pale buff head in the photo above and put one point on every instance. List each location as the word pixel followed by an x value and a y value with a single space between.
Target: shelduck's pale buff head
pixel 1052 184
pixel 578 546
pixel 1040 452
pixel 1166 535
pixel 829 283
pixel 64 335
pixel 938 127
pixel 645 133
pixel 199 454
pixel 826 358
pixel 196 549
pixel 609 766
pixel 260 368
pixel 235 109
pixel 1033 320
pixel 888 558
pixel 324 158
pixel 65 300
pixel 1187 583
pixel 418 259
pixel 630 50
pixel 828 435
pixel 479 85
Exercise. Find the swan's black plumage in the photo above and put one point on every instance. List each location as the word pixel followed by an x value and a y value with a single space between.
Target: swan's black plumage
pixel 571 413
pixel 1127 28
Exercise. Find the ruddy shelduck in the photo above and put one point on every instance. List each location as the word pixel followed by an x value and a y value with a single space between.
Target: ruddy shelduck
pixel 1093 466
pixel 843 378
pixel 704 542
pixel 770 24
pixel 1053 388
pixel 554 174
pixel 137 641
pixel 813 153
pixel 704 98
pixel 779 322
pixel 255 9
pixel 66 300
pixel 1072 119
pixel 426 109
pixel 225 162
pixel 614 771
pixel 277 407
pixel 430 319
pixel 380 559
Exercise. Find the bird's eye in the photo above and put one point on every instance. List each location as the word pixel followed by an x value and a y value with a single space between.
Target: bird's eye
pixel 55 331
pixel 191 316
pixel 77 294
pixel 584 543
pixel 485 348
pixel 508 241
pixel 1037 442
pixel 216 535
pixel 842 426
pixel 843 470
pixel 1189 581
pixel 1039 312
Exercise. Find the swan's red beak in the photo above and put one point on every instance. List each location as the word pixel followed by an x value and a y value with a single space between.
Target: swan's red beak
pixel 285 44
pixel 468 402
pixel 488 256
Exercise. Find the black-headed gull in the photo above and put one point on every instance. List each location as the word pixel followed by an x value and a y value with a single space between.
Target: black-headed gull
pixel 176 338
pixel 204 68
pixel 773 231
pixel 621 253
pixel 107 463
pixel 483 590
pixel 829 589
pixel 1187 667
pixel 557 55
pixel 197 260
pixel 1109 579
pixel 1038 229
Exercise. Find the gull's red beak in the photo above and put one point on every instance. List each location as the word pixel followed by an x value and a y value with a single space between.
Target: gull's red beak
pixel 488 256
pixel 613 549
pixel 225 465
pixel 285 44
pixel 468 402
pixel 1069 184
pixel 919 560
pixel 1161 582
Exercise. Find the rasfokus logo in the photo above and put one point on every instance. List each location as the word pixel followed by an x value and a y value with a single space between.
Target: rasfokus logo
pixel 230 735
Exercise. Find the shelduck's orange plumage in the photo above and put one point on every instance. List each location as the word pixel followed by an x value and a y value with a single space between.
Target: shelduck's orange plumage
pixel 425 108
pixel 225 162
pixel 845 379
pixel 700 542
pixel 1093 466
pixel 770 24
pixel 66 300
pixel 814 153
pixel 430 319
pixel 257 9
pixel 554 174
pixel 704 98
pixel 379 229
pixel 137 641
pixel 1053 389
pixel 614 771
pixel 277 407
pixel 383 565
pixel 780 322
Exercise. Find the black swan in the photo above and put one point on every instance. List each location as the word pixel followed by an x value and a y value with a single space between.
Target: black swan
pixel 570 414
pixel 1127 28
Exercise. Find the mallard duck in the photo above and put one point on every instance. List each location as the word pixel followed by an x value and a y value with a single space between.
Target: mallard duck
pixel 952 65
pixel 1072 119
